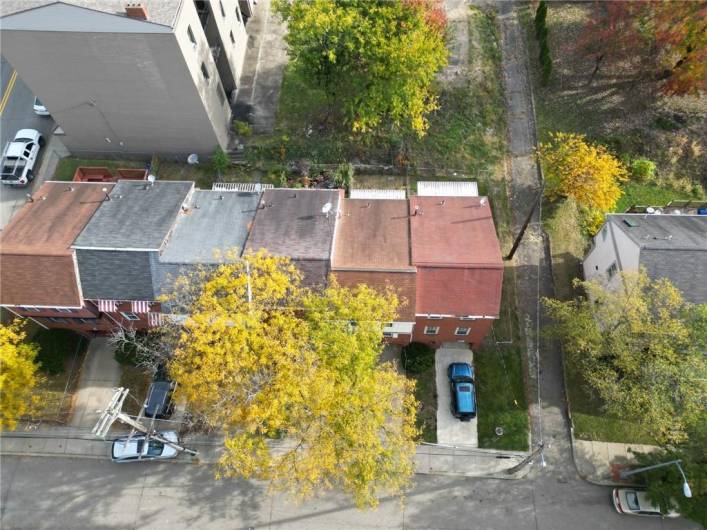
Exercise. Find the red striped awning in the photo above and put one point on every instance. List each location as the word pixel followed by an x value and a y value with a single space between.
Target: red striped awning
pixel 154 319
pixel 108 306
pixel 140 307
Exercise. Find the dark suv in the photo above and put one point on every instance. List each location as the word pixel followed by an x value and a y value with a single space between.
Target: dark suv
pixel 159 402
pixel 461 382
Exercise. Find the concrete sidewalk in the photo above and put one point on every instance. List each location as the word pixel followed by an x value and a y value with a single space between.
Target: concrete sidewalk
pixel 263 68
pixel 594 459
pixel 100 376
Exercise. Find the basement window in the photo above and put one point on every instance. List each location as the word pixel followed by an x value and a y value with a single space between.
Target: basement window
pixel 431 330
pixel 612 270
pixel 462 331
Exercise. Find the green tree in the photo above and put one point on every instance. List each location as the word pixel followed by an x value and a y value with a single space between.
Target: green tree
pixel 18 377
pixel 640 348
pixel 375 60
pixel 664 485
pixel 293 379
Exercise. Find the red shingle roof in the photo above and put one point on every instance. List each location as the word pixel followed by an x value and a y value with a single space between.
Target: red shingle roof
pixel 459 292
pixel 37 265
pixel 453 231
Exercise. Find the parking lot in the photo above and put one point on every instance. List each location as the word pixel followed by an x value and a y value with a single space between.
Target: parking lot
pixel 450 430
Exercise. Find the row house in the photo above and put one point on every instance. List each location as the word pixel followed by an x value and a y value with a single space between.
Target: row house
pixel 128 242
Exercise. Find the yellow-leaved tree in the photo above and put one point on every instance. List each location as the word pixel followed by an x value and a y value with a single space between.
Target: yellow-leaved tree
pixel 18 374
pixel 294 380
pixel 584 171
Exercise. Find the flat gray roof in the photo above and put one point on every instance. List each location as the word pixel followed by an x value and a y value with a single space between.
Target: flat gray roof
pixel 158 11
pixel 290 222
pixel 666 232
pixel 215 220
pixel 138 216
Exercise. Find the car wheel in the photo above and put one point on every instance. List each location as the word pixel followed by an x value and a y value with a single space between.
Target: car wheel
pixel 41 141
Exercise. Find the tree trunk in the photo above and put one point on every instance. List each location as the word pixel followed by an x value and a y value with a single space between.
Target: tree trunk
pixel 597 65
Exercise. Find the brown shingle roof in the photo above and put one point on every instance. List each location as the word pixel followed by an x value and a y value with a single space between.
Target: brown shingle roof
pixel 37 265
pixel 403 283
pixel 453 232
pixel 373 235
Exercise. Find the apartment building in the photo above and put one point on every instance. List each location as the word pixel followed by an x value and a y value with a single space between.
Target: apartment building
pixel 130 79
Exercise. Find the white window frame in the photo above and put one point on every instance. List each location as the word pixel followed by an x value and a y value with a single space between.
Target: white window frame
pixel 468 318
pixel 431 330
pixel 129 315
pixel 612 270
pixel 191 37
pixel 435 317
pixel 64 310
pixel 30 308
pixel 456 331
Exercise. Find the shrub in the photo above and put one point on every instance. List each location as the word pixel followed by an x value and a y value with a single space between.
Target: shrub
pixel 642 169
pixel 55 346
pixel 220 160
pixel 343 176
pixel 242 128
pixel 417 357
pixel 126 353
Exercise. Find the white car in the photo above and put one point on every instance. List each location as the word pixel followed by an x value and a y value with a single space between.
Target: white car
pixel 39 108
pixel 20 156
pixel 635 502
pixel 136 448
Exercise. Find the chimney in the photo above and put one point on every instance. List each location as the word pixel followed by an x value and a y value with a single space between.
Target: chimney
pixel 138 11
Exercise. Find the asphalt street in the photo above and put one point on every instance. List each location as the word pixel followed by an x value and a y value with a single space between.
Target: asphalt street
pixel 16 113
pixel 83 493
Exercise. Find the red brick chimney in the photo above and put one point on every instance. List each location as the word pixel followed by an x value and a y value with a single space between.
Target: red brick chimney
pixel 138 11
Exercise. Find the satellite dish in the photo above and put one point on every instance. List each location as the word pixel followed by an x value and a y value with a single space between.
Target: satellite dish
pixel 650 209
pixel 326 208
pixel 151 178
pixel 482 202
pixel 193 159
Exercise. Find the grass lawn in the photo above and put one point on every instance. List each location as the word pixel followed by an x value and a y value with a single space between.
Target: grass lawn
pixel 426 394
pixel 138 382
pixel 561 221
pixel 500 393
pixel 648 195
pixel 66 167
pixel 61 356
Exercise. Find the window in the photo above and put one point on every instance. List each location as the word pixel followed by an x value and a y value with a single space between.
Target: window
pixel 612 270
pixel 431 330
pixel 204 71
pixel 30 308
pixel 462 331
pixel 223 13
pixel 127 315
pixel 57 320
pixel 221 93
pixel 233 40
pixel 64 310
pixel 389 334
pixel 467 318
pixel 434 317
pixel 238 13
pixel 192 39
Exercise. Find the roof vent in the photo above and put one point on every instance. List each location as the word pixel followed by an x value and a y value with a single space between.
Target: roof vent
pixel 137 11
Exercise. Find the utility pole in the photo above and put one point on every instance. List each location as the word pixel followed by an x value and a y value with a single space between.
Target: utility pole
pixel 623 475
pixel 114 412
pixel 520 465
pixel 519 237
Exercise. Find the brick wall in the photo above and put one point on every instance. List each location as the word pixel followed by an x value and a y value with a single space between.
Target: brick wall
pixel 447 327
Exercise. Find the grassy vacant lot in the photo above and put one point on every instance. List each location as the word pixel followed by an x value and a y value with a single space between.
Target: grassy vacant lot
pixel 620 108
pixel 61 356
pixel 67 166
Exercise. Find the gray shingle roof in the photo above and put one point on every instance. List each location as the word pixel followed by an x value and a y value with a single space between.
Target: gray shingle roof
pixel 290 223
pixel 115 275
pixel 672 247
pixel 137 216
pixel 664 231
pixel 214 221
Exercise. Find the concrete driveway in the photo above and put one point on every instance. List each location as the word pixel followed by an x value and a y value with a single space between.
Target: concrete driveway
pixel 451 431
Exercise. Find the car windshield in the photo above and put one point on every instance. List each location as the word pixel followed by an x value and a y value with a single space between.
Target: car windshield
pixel 155 448
pixel 632 500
